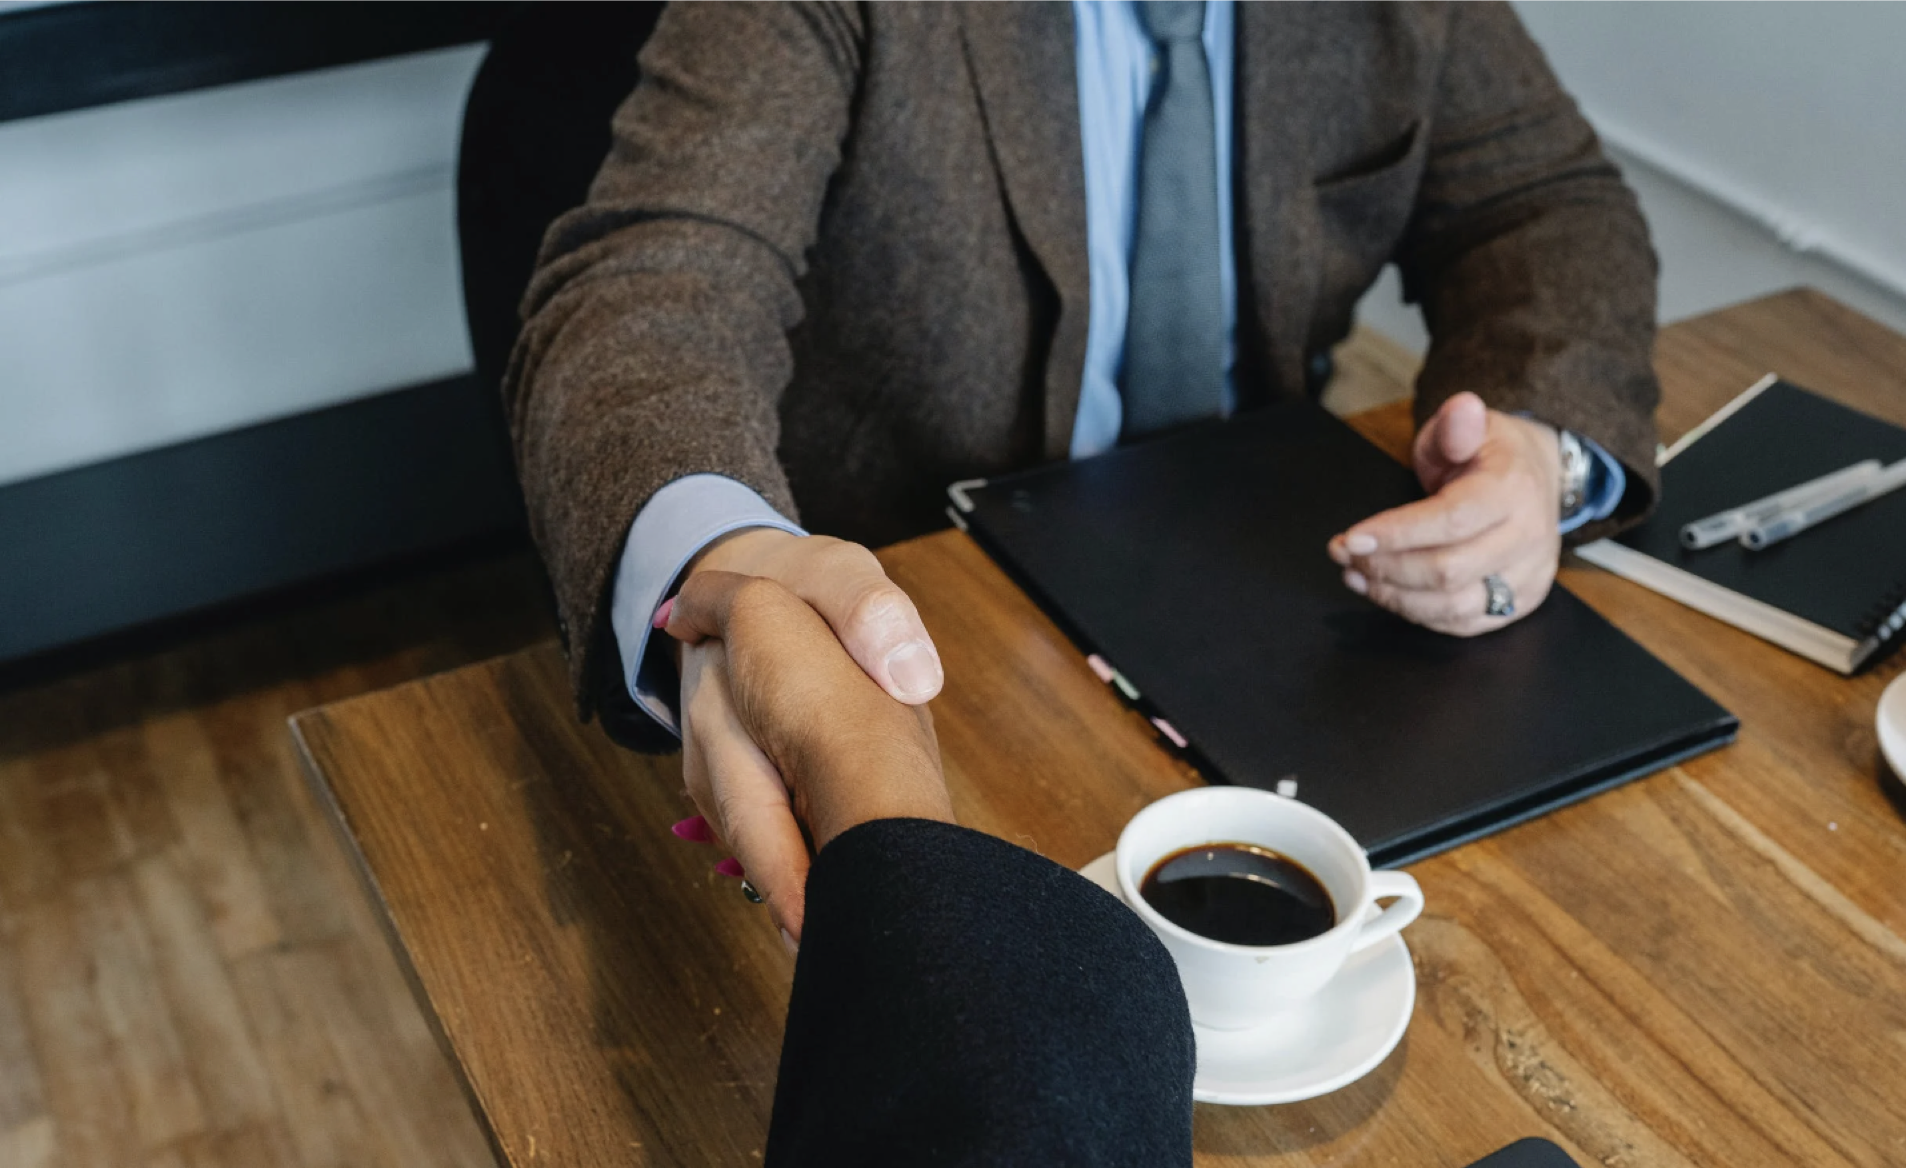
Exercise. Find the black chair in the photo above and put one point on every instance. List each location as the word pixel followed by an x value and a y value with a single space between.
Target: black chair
pixel 535 130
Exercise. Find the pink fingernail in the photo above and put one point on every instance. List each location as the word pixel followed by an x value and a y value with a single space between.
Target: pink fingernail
pixel 660 620
pixel 1360 544
pixel 695 830
pixel 731 867
pixel 1354 581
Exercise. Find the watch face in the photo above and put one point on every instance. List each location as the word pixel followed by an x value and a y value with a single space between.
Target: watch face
pixel 1575 471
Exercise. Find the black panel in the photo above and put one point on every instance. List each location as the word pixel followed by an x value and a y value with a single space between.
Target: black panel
pixel 71 56
pixel 150 536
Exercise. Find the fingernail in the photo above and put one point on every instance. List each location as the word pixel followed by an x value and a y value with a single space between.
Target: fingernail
pixel 914 669
pixel 731 867
pixel 660 620
pixel 787 940
pixel 1354 581
pixel 695 830
pixel 1360 544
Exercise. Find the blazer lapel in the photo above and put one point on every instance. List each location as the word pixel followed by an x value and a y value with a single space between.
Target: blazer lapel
pixel 1023 65
pixel 1278 227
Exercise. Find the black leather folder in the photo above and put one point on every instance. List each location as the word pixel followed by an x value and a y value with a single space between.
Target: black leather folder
pixel 1195 566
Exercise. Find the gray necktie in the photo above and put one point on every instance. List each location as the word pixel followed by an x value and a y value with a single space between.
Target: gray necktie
pixel 1174 338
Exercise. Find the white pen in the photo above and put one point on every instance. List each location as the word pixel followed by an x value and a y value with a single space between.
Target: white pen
pixel 1799 519
pixel 1725 525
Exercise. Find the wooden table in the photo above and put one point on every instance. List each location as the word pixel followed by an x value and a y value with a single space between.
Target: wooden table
pixel 1704 967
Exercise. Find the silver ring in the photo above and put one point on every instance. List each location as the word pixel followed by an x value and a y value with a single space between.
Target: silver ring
pixel 748 891
pixel 1502 598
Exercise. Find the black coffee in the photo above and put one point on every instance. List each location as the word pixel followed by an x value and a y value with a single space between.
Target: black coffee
pixel 1240 894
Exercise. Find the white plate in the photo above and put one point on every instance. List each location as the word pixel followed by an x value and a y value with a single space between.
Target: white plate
pixel 1348 1029
pixel 1892 723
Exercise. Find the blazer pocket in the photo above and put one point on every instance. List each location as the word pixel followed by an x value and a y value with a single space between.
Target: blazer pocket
pixel 1362 212
pixel 1373 170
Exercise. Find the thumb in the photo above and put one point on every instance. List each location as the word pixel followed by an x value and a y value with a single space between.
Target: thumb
pixel 1451 439
pixel 874 619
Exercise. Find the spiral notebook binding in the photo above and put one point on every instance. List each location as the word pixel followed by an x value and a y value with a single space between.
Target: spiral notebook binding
pixel 1883 624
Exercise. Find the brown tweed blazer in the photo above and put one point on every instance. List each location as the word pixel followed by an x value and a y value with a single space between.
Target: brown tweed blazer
pixel 838 252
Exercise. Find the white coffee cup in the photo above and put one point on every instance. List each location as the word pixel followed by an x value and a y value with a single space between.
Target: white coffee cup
pixel 1231 987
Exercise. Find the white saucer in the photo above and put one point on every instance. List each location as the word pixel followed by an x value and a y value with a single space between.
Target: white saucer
pixel 1892 727
pixel 1347 1030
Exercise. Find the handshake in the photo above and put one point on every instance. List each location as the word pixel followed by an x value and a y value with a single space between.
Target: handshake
pixel 787 740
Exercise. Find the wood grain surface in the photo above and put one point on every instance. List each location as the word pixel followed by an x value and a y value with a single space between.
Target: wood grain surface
pixel 189 974
pixel 1706 967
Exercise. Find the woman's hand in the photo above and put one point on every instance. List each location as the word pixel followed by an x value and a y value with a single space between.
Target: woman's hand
pixel 784 731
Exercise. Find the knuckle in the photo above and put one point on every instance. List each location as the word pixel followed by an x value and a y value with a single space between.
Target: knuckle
pixel 880 607
pixel 820 545
pixel 736 799
pixel 730 815
pixel 756 597
pixel 1392 598
pixel 1466 518
pixel 839 555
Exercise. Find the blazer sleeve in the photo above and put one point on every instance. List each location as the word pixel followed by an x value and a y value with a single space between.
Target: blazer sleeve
pixel 959 1001
pixel 1530 257
pixel 654 342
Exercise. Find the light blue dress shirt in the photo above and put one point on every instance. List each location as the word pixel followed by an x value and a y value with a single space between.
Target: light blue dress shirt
pixel 1113 58
pixel 1114 62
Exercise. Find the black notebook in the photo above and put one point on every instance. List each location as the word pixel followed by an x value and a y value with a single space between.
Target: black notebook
pixel 1835 593
pixel 1195 566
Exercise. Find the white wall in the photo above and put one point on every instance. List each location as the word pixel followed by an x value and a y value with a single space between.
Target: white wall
pixel 1767 143
pixel 1795 113
pixel 175 267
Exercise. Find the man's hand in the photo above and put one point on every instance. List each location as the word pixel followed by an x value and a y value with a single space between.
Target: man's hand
pixel 782 731
pixel 1493 481
pixel 846 585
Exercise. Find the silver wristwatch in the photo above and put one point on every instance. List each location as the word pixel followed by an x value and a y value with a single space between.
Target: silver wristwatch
pixel 1576 466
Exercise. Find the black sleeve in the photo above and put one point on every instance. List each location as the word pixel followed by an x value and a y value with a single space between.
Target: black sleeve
pixel 961 1001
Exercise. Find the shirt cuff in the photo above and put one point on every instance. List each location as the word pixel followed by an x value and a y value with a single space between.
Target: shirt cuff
pixel 672 528
pixel 1606 483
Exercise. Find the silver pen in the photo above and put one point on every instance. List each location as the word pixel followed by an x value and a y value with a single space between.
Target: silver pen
pixel 1725 525
pixel 1793 522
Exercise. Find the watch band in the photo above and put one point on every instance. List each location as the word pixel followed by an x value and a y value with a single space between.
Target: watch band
pixel 1577 464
